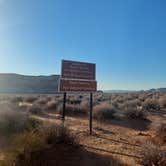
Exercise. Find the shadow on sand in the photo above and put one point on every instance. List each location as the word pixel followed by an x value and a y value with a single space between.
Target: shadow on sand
pixel 141 125
pixel 117 141
pixel 111 152
pixel 68 155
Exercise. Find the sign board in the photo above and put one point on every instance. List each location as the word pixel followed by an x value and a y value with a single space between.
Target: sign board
pixel 78 70
pixel 78 76
pixel 78 85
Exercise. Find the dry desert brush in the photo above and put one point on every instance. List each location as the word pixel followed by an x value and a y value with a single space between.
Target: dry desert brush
pixel 13 121
pixel 161 132
pixel 31 148
pixel 135 112
pixel 104 111
pixel 153 155
pixel 36 110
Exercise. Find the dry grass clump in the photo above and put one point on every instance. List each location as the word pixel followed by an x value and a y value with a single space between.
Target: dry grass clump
pixel 161 132
pixel 162 102
pixel 153 155
pixel 104 111
pixel 85 105
pixel 13 121
pixel 17 99
pixel 118 99
pixel 101 98
pixel 52 105
pixel 29 148
pixel 31 99
pixel 135 112
pixel 74 101
pixel 72 110
pixel 42 101
pixel 151 105
pixel 58 134
pixel 36 110
pixel 25 149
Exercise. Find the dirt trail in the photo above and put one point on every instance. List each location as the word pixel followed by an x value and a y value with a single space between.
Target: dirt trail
pixel 113 139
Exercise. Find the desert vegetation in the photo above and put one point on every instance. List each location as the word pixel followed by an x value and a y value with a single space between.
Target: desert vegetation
pixel 132 126
pixel 153 154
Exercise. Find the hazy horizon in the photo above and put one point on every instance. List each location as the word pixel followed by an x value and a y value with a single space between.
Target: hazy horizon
pixel 125 38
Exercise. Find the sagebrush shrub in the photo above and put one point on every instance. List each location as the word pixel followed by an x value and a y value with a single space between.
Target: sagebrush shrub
pixel 36 110
pixel 17 99
pixel 104 111
pixel 151 105
pixel 161 131
pixel 52 105
pixel 162 102
pixel 42 101
pixel 72 109
pixel 153 155
pixel 28 146
pixel 135 112
pixel 12 122
pixel 58 134
pixel 31 99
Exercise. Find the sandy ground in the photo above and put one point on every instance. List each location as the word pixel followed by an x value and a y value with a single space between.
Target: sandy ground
pixel 122 140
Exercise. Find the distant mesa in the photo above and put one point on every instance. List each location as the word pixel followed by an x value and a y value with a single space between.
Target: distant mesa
pixel 15 83
pixel 133 91
pixel 158 90
pixel 119 91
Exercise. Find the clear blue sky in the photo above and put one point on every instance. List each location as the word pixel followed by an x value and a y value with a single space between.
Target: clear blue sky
pixel 125 38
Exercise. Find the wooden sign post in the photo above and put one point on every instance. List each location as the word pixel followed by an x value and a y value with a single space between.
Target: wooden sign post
pixel 90 115
pixel 78 77
pixel 64 107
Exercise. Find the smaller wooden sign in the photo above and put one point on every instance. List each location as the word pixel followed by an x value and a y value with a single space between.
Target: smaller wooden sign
pixel 77 85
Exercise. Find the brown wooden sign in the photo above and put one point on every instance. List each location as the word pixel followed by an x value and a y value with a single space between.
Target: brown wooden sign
pixel 78 70
pixel 77 85
pixel 78 77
